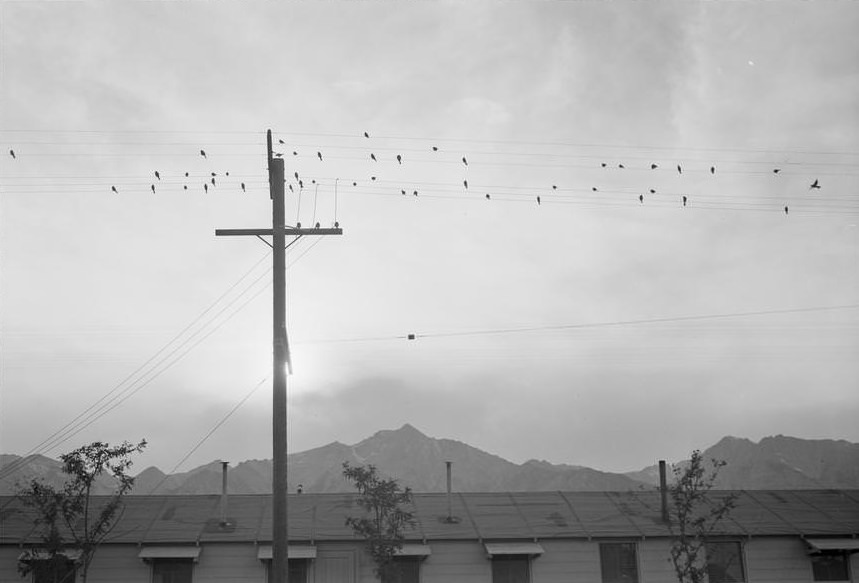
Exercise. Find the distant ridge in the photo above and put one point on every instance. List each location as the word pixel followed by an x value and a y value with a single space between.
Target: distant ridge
pixel 418 461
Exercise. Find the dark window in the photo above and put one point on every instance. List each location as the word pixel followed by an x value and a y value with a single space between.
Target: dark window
pixel 831 567
pixel 172 570
pixel 403 570
pixel 57 570
pixel 297 571
pixel 725 563
pixel 618 563
pixel 511 569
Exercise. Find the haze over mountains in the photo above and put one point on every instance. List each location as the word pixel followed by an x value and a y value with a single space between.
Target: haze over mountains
pixel 418 461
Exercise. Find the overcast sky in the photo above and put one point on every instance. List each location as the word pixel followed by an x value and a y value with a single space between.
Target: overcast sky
pixel 595 328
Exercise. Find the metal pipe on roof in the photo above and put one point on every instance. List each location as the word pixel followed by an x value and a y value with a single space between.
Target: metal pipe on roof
pixel 663 491
pixel 224 493
pixel 449 504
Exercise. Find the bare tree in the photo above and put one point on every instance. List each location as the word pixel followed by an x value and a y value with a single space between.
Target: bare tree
pixel 69 518
pixel 383 526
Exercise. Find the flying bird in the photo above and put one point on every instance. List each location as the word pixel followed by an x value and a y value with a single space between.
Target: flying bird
pixel 814 184
pixel 300 184
pixel 186 175
pixel 464 161
pixel 291 189
pixel 435 148
pixel 554 187
pixel 213 174
pixel 594 188
pixel 399 159
pixel 294 153
pixel 538 201
pixel 213 181
pixel 320 155
pixel 603 164
pixel 354 184
pixel 415 193
pixel 776 170
pixel 465 182
pixel 203 153
pixel 372 178
pixel 153 188
pixel 679 169
pixel 620 166
pixel 205 187
pixel 226 173
pixel 684 200
pixel 279 141
pixel 403 191
pixel 295 174
pixel 654 166
pixel 12 153
pixel 785 209
pixel 113 189
pixel 373 157
pixel 641 198
pixel 712 169
pixel 184 187
pixel 366 135
pixel 652 191
pixel 278 154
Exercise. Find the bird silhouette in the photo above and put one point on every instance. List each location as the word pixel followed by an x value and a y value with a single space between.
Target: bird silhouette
pixel 776 170
pixel 184 187
pixel 203 153
pixel 814 184
pixel 684 200
pixel 403 191
pixel 213 181
pixel 354 184
pixel 279 141
pixel 291 189
pixel 366 135
pixel 538 201
pixel 226 173
pixel 435 148
pixel 153 188
pixel 464 161
pixel 373 157
pixel 679 169
pixel 712 169
pixel 294 153
pixel 372 178
pixel 603 164
pixel 300 184
pixel 641 198
pixel 415 193
pixel 554 187
pixel 785 209
pixel 654 166
pixel 652 191
pixel 465 182
pixel 113 189
pixel 594 188
pixel 620 166
pixel 213 174
pixel 205 187
pixel 186 175
pixel 320 155
pixel 278 154
pixel 487 196
pixel 12 153
pixel 399 159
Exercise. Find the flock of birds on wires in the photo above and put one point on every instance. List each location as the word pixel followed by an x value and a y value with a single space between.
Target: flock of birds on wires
pixel 375 159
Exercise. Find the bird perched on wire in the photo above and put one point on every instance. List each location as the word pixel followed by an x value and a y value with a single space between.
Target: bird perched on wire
pixel 814 184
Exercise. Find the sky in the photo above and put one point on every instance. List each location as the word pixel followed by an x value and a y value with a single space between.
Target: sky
pixel 568 303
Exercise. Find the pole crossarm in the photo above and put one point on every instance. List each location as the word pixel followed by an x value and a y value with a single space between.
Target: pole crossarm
pixel 287 231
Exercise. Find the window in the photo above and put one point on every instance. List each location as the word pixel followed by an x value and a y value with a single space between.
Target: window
pixel 618 563
pixel 297 570
pixel 725 563
pixel 511 569
pixel 833 566
pixel 172 570
pixel 403 570
pixel 58 570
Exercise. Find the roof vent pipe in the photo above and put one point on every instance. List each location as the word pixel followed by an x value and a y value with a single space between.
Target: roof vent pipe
pixel 449 504
pixel 663 491
pixel 224 493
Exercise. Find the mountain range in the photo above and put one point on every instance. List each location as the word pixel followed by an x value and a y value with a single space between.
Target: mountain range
pixel 418 461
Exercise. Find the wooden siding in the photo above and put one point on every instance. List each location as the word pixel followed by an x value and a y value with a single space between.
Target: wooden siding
pixel 456 561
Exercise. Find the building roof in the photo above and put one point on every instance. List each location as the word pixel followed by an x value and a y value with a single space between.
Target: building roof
pixel 474 516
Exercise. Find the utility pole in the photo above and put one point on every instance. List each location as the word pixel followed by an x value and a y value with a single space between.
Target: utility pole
pixel 281 358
